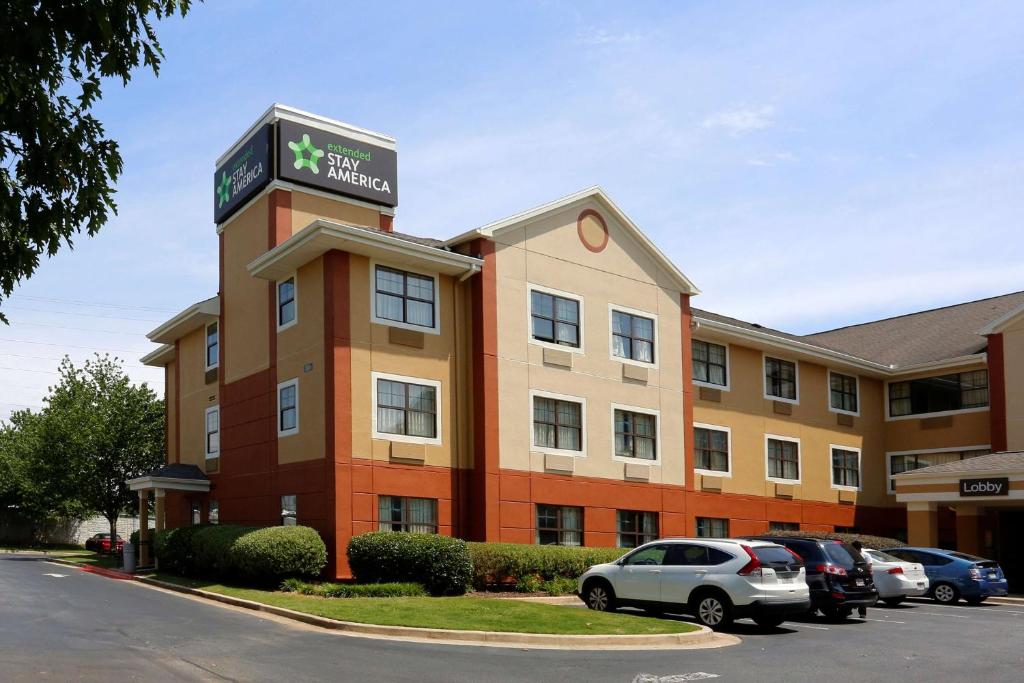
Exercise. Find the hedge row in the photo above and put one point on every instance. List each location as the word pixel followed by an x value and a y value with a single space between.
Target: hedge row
pixel 526 567
pixel 876 542
pixel 440 563
pixel 240 553
pixel 354 590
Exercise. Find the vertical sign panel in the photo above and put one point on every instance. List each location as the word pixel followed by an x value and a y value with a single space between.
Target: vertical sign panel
pixel 244 174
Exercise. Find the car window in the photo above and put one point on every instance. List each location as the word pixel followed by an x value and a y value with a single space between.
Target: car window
pixel 879 556
pixel 905 555
pixel 930 559
pixel 683 554
pixel 774 555
pixel 969 558
pixel 716 556
pixel 652 555
pixel 842 554
pixel 807 550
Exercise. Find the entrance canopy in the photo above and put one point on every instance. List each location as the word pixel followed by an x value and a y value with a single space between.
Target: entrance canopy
pixel 988 479
pixel 170 477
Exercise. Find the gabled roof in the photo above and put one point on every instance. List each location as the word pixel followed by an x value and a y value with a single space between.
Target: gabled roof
pixel 591 193
pixel 192 318
pixel 163 355
pixel 1008 461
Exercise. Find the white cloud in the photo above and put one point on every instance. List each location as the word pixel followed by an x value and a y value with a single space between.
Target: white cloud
pixel 741 120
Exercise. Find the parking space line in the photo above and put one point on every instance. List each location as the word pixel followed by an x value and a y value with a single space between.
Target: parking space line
pixel 885 621
pixel 940 614
pixel 816 628
pixel 986 609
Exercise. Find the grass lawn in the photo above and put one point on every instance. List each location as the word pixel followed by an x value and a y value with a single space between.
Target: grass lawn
pixel 89 557
pixel 462 613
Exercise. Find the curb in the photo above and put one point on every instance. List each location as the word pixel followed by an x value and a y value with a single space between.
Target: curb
pixel 704 638
pixel 101 571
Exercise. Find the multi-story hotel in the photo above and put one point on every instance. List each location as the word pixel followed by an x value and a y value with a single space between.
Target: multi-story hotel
pixel 545 379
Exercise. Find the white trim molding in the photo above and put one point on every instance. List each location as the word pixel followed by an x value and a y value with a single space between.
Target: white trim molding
pixel 796 377
pixel 533 287
pixel 294 277
pixel 537 393
pixel 656 342
pixel 799 459
pixel 828 388
pixel 728 365
pixel 831 467
pixel 435 440
pixel 294 382
pixel 657 433
pixel 374 318
pixel 206 345
pixel 728 434
pixel 206 432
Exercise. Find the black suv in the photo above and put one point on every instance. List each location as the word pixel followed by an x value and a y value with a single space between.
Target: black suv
pixel 837 574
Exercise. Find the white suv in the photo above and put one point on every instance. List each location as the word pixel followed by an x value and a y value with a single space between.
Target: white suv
pixel 715 580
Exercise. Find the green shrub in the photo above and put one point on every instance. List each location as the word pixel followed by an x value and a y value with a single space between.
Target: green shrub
pixel 876 542
pixel 560 585
pixel 269 554
pixel 504 564
pixel 354 590
pixel 441 563
pixel 173 548
pixel 211 549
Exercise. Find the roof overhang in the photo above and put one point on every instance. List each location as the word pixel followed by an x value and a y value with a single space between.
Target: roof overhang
pixel 941 483
pixel 192 318
pixel 160 357
pixel 942 364
pixel 168 484
pixel 595 193
pixel 1002 322
pixel 322 236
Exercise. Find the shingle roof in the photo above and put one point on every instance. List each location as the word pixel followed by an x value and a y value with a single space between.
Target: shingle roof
pixel 424 241
pixel 996 462
pixel 755 327
pixel 176 470
pixel 933 335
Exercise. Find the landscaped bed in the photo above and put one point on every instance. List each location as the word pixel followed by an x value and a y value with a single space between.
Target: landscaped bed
pixel 456 613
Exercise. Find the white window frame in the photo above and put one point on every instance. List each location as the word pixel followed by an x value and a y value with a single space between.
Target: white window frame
pixel 612 308
pixel 436 329
pixel 860 468
pixel 828 387
pixel 210 455
pixel 657 433
pixel 890 487
pixel 942 413
pixel 799 459
pixel 532 287
pixel 764 378
pixel 206 348
pixel 582 453
pixel 387 436
pixel 294 277
pixel 277 416
pixel 717 428
pixel 728 365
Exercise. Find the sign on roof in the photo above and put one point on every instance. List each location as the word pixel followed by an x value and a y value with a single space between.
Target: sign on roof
pixel 992 486
pixel 245 173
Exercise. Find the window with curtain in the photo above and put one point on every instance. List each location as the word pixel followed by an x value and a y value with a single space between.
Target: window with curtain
pixel 557 424
pixel 406 408
pixel 957 391
pixel 711 449
pixel 214 512
pixel 404 297
pixel 414 515
pixel 285 302
pixel 843 392
pixel 780 378
pixel 783 526
pixel 555 319
pixel 212 345
pixel 845 468
pixel 915 461
pixel 709 363
pixel 289 509
pixel 712 527
pixel 559 525
pixel 783 459
pixel 637 528
pixel 635 435
pixel 632 337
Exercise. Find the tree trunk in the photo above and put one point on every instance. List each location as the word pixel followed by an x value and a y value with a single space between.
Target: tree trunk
pixel 113 533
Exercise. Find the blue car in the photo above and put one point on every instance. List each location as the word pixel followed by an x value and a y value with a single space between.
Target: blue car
pixel 954 575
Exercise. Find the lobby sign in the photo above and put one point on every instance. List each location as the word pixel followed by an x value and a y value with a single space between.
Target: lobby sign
pixel 336 163
pixel 244 174
pixel 992 486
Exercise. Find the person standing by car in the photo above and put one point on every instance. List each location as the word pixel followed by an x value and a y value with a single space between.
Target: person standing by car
pixel 862 610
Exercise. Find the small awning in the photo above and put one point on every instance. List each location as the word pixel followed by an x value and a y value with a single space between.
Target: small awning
pixel 172 477
pixel 990 479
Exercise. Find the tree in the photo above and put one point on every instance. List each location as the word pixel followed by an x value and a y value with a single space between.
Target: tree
pixel 100 430
pixel 57 167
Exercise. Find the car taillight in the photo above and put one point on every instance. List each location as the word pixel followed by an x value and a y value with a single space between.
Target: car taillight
pixel 974 572
pixel 752 568
pixel 895 570
pixel 831 569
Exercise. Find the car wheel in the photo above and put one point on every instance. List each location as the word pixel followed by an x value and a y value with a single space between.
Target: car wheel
pixel 769 622
pixel 599 596
pixel 976 601
pixel 836 613
pixel 892 602
pixel 945 593
pixel 713 610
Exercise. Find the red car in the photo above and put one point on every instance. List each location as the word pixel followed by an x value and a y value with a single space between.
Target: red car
pixel 100 543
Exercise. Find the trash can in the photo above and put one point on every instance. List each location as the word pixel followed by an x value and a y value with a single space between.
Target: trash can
pixel 129 557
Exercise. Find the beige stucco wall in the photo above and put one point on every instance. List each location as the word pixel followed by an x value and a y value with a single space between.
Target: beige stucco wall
pixel 196 396
pixel 1013 359
pixel 297 346
pixel 245 342
pixel 549 253
pixel 745 411
pixel 308 207
pixel 171 410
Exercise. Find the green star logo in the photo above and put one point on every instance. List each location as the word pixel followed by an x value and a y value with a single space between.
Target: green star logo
pixel 223 190
pixel 303 148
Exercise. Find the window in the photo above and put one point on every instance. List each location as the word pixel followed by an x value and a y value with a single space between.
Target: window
pixel 406 408
pixel 555 319
pixel 908 462
pixel 845 467
pixel 842 391
pixel 288 408
pixel 783 459
pixel 212 346
pixel 409 299
pixel 650 557
pixel 709 364
pixel 196 512
pixel 558 525
pixel 636 435
pixel 711 449
pixel 712 527
pixel 780 378
pixel 557 424
pixel 286 311
pixel 214 512
pixel 783 526
pixel 959 391
pixel 637 528
pixel 289 510
pixel 632 337
pixel 685 554
pixel 212 432
pixel 415 515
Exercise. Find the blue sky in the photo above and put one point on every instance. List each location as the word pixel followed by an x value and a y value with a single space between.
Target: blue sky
pixel 808 165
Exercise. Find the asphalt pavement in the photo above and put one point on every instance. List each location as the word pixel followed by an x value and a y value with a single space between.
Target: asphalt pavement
pixel 59 623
